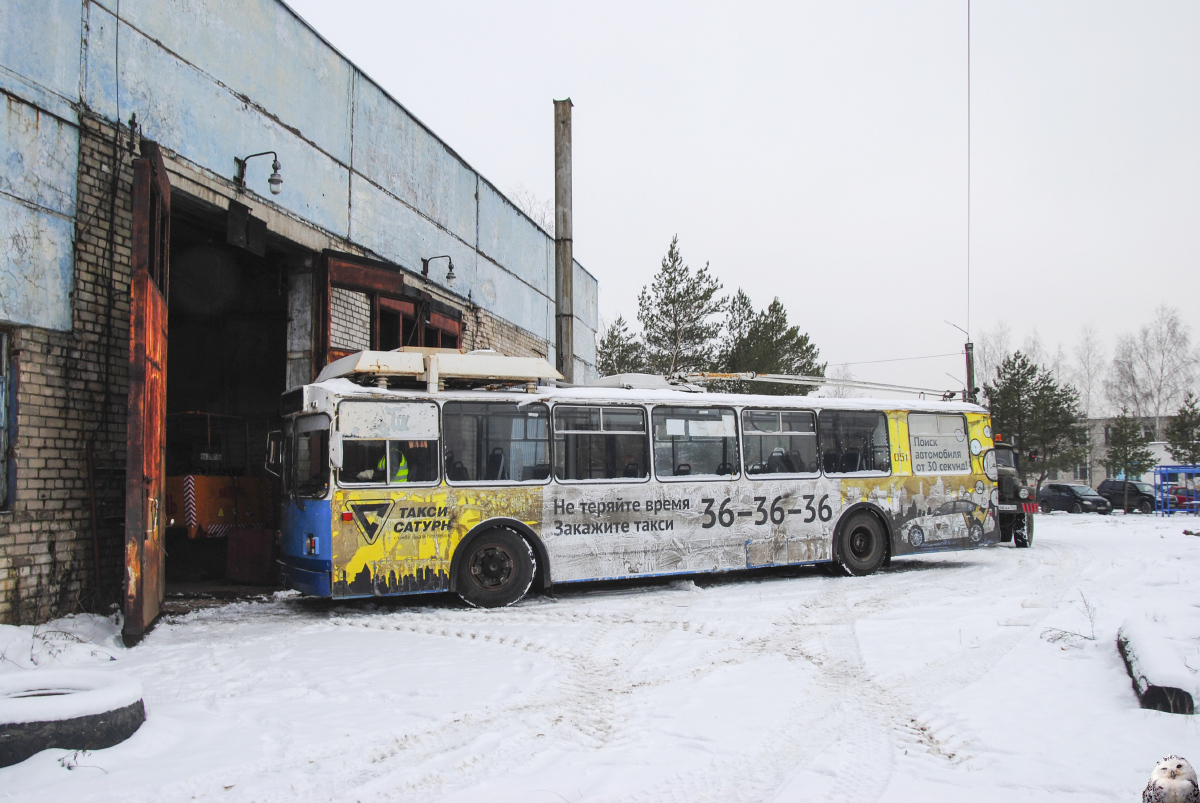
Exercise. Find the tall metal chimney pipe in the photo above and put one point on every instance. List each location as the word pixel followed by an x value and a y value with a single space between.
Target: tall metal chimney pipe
pixel 564 256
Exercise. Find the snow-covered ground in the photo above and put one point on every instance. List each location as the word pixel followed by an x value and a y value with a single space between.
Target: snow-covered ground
pixel 948 677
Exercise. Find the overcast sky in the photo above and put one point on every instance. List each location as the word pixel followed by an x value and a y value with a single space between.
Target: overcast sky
pixel 818 152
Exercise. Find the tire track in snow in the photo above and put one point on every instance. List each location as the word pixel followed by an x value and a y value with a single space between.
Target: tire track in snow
pixel 851 720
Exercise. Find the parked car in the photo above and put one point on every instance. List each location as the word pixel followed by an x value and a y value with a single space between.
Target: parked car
pixel 1141 495
pixel 1185 498
pixel 1072 498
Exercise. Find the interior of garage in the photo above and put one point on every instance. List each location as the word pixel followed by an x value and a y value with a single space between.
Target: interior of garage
pixel 226 366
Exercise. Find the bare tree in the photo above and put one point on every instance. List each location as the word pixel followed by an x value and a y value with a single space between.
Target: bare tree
pixel 1087 375
pixel 1087 371
pixel 991 348
pixel 539 211
pixel 839 391
pixel 1153 370
pixel 1040 354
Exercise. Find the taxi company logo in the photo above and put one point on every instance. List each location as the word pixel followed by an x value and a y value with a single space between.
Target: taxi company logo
pixel 369 516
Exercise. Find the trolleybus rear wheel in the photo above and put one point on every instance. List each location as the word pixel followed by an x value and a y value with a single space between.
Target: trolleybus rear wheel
pixel 496 570
pixel 860 546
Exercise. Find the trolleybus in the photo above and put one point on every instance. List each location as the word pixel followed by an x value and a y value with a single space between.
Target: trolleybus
pixel 429 470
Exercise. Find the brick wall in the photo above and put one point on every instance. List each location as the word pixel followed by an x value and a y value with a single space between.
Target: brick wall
pixel 349 319
pixel 482 330
pixel 71 388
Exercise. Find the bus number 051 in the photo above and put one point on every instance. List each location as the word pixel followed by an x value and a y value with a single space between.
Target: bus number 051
pixel 776 515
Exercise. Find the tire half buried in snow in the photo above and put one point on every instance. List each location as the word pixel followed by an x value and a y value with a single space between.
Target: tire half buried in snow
pixel 69 709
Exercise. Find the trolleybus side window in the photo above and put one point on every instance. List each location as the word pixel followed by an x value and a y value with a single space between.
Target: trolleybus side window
pixel 939 444
pixel 854 442
pixel 695 442
pixel 600 443
pixel 779 442
pixel 388 442
pixel 376 462
pixel 310 457
pixel 496 442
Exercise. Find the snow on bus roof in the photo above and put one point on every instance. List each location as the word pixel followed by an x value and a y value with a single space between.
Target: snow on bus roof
pixel 346 389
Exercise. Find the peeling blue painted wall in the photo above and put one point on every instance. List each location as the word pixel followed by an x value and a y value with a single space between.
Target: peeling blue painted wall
pixel 215 79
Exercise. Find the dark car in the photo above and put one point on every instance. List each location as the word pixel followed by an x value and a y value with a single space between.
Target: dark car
pixel 1141 495
pixel 1072 498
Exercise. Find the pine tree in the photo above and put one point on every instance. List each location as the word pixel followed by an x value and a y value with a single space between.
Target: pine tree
pixel 677 312
pixel 1129 454
pixel 1183 433
pixel 1043 416
pixel 764 342
pixel 619 351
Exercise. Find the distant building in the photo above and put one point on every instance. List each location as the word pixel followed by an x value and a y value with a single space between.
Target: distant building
pixel 120 143
pixel 1092 471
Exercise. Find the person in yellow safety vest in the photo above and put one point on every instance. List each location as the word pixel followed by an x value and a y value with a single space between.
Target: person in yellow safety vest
pixel 401 465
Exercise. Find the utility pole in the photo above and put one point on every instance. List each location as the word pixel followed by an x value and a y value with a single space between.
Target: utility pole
pixel 970 392
pixel 564 257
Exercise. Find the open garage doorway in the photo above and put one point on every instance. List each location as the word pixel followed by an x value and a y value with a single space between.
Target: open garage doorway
pixel 226 369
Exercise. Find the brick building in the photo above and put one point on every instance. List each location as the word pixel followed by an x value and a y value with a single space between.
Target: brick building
pixel 121 149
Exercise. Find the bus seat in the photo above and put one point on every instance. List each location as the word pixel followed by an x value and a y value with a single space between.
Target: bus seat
pixel 540 471
pixel 457 472
pixel 725 468
pixel 850 463
pixel 829 461
pixel 796 461
pixel 777 463
pixel 632 470
pixel 495 465
pixel 683 469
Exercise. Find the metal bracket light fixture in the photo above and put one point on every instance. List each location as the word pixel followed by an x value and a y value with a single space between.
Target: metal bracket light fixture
pixel 275 182
pixel 450 277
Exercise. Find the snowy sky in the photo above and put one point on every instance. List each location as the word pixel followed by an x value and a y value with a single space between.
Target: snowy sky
pixel 818 152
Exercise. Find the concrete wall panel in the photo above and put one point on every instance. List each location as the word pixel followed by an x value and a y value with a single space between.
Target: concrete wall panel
pixel 215 79
pixel 35 284
pixel 510 239
pixel 390 229
pixel 503 294
pixel 396 152
pixel 587 297
pixel 39 52
pixel 40 155
pixel 182 109
pixel 259 49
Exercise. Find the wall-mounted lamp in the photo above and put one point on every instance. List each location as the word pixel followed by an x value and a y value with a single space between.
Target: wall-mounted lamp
pixel 275 181
pixel 450 277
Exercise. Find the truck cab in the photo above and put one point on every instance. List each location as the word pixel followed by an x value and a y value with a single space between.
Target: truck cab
pixel 1015 505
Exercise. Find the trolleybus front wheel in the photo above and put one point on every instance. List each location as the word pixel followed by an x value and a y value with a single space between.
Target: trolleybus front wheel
pixel 861 546
pixel 496 570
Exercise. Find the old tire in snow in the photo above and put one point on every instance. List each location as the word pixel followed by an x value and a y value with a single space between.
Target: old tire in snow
pixel 495 570
pixel 70 709
pixel 860 546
